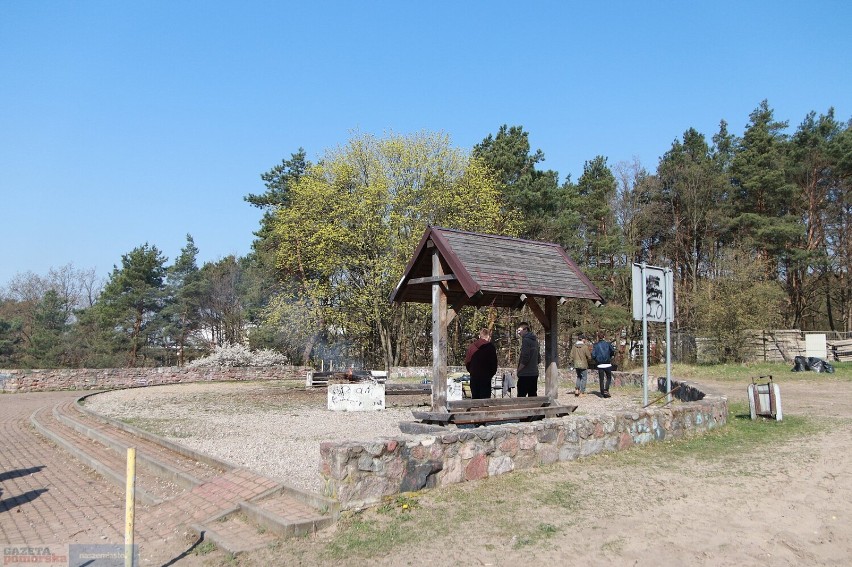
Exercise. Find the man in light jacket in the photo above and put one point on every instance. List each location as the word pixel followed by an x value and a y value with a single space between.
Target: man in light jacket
pixel 581 359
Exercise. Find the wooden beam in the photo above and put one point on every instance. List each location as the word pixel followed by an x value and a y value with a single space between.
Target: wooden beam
pixel 439 337
pixel 551 348
pixel 431 279
pixel 451 314
pixel 432 416
pixel 538 312
pixel 460 302
pixel 509 414
pixel 487 415
pixel 510 403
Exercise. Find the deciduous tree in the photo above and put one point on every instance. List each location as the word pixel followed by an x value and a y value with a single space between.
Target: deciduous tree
pixel 354 219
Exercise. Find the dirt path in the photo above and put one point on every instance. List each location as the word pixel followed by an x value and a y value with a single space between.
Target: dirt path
pixel 788 505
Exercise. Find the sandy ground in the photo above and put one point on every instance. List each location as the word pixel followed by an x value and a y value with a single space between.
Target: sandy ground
pixel 787 505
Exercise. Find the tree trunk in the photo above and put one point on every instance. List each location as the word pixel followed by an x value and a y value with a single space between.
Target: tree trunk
pixel 134 339
pixel 309 348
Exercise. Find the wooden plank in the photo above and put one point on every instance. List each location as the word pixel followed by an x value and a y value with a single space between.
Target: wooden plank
pixel 407 389
pixel 493 414
pixel 509 415
pixel 431 279
pixel 495 409
pixel 532 401
pixel 431 416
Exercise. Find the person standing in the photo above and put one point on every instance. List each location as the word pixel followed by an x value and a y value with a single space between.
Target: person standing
pixel 602 353
pixel 527 362
pixel 481 362
pixel 581 358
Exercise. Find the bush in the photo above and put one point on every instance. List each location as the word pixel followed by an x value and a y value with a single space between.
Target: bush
pixel 744 298
pixel 227 356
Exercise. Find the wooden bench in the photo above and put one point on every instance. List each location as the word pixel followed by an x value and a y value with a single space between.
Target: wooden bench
pixel 407 389
pixel 494 410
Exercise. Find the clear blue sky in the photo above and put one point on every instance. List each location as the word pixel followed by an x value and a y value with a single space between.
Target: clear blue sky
pixel 130 122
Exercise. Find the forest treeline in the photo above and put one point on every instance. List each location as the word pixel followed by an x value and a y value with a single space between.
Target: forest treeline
pixel 757 230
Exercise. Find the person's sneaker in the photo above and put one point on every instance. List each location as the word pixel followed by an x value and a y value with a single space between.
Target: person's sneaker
pixel 577 392
pixel 606 394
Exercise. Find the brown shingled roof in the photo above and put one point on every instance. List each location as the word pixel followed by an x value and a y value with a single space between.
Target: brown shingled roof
pixel 492 270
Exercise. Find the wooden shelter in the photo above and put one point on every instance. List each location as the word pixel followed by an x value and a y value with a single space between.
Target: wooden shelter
pixel 452 268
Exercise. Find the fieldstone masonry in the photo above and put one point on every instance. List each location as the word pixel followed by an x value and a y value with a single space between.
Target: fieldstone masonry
pixel 360 474
pixel 111 378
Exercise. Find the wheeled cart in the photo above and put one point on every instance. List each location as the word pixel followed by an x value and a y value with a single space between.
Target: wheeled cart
pixel 764 400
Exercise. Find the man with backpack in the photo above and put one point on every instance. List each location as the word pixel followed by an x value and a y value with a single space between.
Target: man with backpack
pixel 603 352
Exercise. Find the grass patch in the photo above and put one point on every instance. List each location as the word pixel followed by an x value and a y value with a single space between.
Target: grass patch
pixel 535 536
pixel 364 536
pixel 403 503
pixel 562 495
pixel 613 546
pixel 204 548
pixel 741 435
pixel 745 372
pixel 378 531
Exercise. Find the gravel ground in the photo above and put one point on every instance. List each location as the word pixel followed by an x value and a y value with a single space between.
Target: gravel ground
pixel 275 428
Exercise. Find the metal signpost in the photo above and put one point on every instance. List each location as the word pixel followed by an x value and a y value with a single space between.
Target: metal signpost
pixel 653 300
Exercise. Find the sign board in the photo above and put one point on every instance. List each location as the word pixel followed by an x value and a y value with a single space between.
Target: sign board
pixel 815 346
pixel 653 293
pixel 360 396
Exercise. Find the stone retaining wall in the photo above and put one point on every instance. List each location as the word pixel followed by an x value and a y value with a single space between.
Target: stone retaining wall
pixel 565 374
pixel 360 474
pixel 17 380
pixel 111 378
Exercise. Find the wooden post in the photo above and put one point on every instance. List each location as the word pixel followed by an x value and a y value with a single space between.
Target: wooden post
pixel 130 507
pixel 551 349
pixel 439 338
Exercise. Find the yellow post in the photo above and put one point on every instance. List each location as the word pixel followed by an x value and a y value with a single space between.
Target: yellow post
pixel 130 507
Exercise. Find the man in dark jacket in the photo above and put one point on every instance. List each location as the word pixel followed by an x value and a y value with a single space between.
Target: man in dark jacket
pixel 481 362
pixel 527 362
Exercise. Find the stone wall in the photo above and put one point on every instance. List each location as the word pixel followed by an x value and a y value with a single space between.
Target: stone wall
pixel 360 474
pixel 17 380
pixel 408 372
pixel 111 378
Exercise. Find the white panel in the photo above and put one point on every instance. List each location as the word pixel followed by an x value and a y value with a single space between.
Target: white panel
pixel 656 286
pixel 362 396
pixel 637 292
pixel 815 346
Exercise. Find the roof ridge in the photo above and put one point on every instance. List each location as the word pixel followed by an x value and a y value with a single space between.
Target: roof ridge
pixel 497 236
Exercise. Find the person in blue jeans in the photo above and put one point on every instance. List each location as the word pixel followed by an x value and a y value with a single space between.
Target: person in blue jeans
pixel 602 353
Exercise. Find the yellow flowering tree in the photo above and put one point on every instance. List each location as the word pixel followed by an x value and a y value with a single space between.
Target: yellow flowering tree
pixel 353 221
